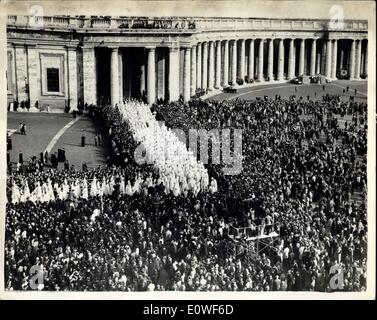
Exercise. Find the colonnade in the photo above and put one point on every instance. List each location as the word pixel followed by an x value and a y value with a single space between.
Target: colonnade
pixel 210 65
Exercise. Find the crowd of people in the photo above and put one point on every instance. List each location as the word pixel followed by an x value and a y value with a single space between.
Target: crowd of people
pixel 304 168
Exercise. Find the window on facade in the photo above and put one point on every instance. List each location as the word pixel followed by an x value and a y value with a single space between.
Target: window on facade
pixel 53 80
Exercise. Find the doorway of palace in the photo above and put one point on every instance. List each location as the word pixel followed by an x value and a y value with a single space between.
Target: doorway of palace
pixel 103 59
pixel 134 72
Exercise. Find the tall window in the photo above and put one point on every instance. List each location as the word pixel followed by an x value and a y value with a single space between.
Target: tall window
pixel 53 80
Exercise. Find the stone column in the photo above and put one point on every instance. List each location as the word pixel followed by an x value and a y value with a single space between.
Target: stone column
pixel 341 62
pixel 328 59
pixel 318 63
pixel 366 58
pixel 234 63
pixel 33 82
pixel 193 70
pixel 260 61
pixel 291 59
pixel 21 73
pixel 186 74
pixel 226 64
pixel 270 65
pixel 72 77
pixel 151 75
pixel 114 79
pixel 211 65
pixel 280 75
pixel 205 66
pixel 313 57
pixel 173 73
pixel 241 74
pixel 358 60
pixel 334 59
pixel 301 66
pixel 89 76
pixel 250 68
pixel 199 66
pixel 142 75
pixel 218 65
pixel 120 59
pixel 352 60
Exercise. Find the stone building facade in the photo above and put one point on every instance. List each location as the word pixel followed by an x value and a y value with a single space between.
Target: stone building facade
pixel 64 61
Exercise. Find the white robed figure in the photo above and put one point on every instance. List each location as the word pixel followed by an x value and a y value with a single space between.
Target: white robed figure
pixel 213 186
pixel 100 188
pixel 136 186
pixel 65 190
pixel 129 190
pixel 33 197
pixel 77 189
pixel 105 187
pixel 22 194
pixel 93 187
pixel 38 192
pixel 111 184
pixel 45 197
pixel 26 191
pixel 176 189
pixel 84 194
pixel 15 193
pixel 50 190
pixel 122 186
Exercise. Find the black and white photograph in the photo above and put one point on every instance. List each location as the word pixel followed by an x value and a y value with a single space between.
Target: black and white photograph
pixel 206 147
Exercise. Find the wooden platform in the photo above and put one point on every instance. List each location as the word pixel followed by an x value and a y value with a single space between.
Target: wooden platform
pixel 264 236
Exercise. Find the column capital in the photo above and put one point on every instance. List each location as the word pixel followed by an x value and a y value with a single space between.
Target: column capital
pixel 19 45
pixel 150 48
pixel 70 48
pixel 88 48
pixel 113 48
pixel 173 48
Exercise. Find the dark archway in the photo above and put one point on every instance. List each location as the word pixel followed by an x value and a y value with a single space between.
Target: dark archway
pixel 103 58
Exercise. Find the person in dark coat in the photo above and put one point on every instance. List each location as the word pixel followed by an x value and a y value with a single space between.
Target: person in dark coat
pixel 66 165
pixel 9 143
pixel 21 158
pixel 41 158
pixel 54 160
pixel 83 141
